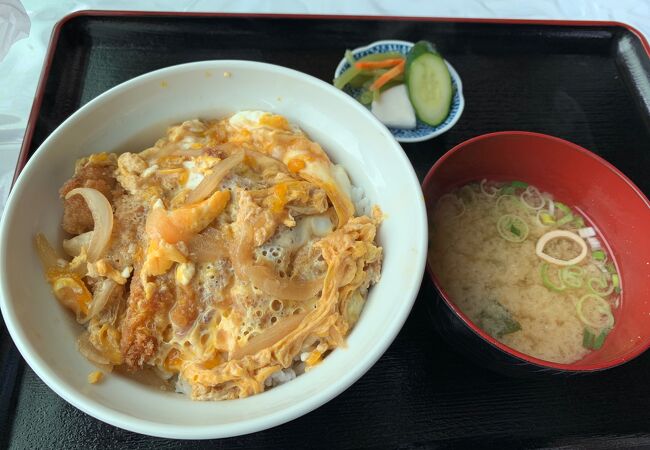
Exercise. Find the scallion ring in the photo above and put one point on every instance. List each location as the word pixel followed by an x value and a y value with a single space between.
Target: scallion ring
pixel 568 215
pixel 507 204
pixel 602 288
pixel 532 198
pixel 572 276
pixel 512 228
pixel 546 280
pixel 600 307
pixel 490 191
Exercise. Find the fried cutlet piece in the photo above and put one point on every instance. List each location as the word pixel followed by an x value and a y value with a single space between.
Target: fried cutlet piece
pixel 144 321
pixel 94 172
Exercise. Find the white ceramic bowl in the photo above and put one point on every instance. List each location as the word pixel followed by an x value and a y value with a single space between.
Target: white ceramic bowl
pixel 130 117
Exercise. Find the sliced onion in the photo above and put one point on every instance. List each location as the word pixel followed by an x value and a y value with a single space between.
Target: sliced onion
pixel 102 213
pixel 207 246
pixel 101 296
pixel 266 161
pixel 189 152
pixel 207 186
pixel 269 337
pixel 46 253
pixel 87 349
pixel 74 245
pixel 541 243
pixel 266 279
pixel 263 277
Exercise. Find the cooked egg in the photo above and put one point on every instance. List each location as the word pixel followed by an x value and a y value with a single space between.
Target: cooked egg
pixel 184 273
pixel 194 178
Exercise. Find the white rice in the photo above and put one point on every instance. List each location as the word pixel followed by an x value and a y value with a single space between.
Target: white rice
pixel 280 377
pixel 183 387
pixel 361 202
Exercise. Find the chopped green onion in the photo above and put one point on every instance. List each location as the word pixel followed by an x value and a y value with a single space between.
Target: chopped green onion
pixel 547 219
pixel 579 222
pixel 490 191
pixel 572 276
pixel 598 255
pixel 562 207
pixel 532 198
pixel 602 308
pixel 611 268
pixel 510 189
pixel 600 283
pixel 600 340
pixel 592 342
pixel 547 281
pixel 508 203
pixel 568 217
pixel 512 228
pixel 616 282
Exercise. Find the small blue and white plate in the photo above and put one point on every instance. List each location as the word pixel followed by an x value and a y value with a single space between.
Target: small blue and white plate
pixel 422 131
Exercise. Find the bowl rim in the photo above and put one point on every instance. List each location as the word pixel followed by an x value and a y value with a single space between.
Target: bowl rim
pixel 452 72
pixel 575 367
pixel 154 428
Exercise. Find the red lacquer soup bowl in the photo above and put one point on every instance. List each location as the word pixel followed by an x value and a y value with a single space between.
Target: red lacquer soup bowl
pixel 618 209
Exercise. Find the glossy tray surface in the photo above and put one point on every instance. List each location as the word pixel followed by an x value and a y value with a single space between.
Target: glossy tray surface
pixel 584 82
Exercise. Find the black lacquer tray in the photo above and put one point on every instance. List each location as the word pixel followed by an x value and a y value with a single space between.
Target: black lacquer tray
pixel 586 82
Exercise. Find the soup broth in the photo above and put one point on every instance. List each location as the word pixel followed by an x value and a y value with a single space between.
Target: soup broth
pixel 525 268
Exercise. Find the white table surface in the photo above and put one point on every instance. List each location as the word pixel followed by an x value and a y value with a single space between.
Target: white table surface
pixel 26 25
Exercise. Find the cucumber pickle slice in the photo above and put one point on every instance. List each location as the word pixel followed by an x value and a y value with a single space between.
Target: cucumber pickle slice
pixel 429 84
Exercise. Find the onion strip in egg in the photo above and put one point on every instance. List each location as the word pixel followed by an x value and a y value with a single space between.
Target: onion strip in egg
pixel 207 186
pixel 269 336
pixel 102 213
pixel 101 296
pixel 74 245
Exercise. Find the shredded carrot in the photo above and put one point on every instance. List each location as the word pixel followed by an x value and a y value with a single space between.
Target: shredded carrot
pixel 385 78
pixel 378 64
